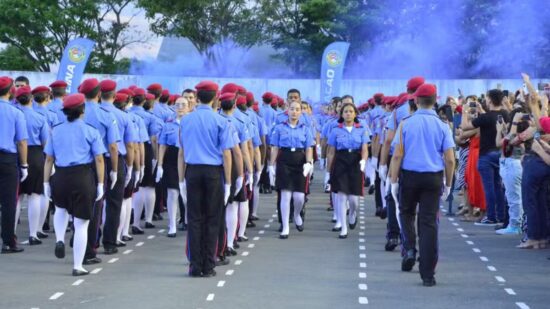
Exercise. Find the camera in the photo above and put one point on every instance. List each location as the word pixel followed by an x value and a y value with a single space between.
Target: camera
pixel 472 105
pixel 500 119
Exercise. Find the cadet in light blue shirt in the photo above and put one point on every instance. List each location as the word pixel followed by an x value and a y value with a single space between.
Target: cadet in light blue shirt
pixel 342 139
pixel 51 117
pixel 37 127
pixel 126 128
pixel 285 136
pixel 13 127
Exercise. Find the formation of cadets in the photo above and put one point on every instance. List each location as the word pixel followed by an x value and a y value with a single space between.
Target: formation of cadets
pixel 106 159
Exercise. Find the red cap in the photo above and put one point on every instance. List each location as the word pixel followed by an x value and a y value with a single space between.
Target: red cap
pixel 132 87
pixel 139 91
pixel 545 124
pixel 281 101
pixel 389 100
pixel 107 85
pixel 154 87
pixel 88 85
pixel 58 84
pixel 207 86
pixel 370 101
pixel 165 93
pixel 227 96
pixel 255 107
pixel 241 100
pixel 22 91
pixel 127 92
pixel 426 90
pixel 414 83
pixel 73 100
pixel 378 96
pixel 241 91
pixel 249 97
pixel 121 97
pixel 149 96
pixel 402 98
pixel 274 102
pixel 267 96
pixel 230 87
pixel 40 89
pixel 5 82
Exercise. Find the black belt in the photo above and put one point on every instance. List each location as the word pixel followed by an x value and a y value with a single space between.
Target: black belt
pixel 293 149
pixel 348 150
pixel 8 157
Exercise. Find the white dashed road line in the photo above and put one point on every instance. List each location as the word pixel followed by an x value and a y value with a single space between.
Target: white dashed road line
pixel 56 295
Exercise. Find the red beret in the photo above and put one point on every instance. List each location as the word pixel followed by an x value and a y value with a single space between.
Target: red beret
pixel 227 96
pixel 281 101
pixel 107 85
pixel 242 90
pixel 88 85
pixel 274 102
pixel 139 91
pixel 207 86
pixel 414 83
pixel 154 87
pixel 40 89
pixel 13 90
pixel 25 90
pixel 402 98
pixel 127 92
pixel 389 100
pixel 58 84
pixel 249 97
pixel 255 107
pixel 426 90
pixel 132 87
pixel 230 87
pixel 165 93
pixel 378 96
pixel 121 97
pixel 5 82
pixel 73 100
pixel 370 101
pixel 241 100
pixel 267 96
pixel 545 124
pixel 149 96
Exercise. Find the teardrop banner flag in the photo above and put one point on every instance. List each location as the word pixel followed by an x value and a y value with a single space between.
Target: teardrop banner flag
pixel 332 70
pixel 74 60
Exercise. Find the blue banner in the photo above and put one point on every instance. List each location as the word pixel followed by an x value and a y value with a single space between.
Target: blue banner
pixel 73 62
pixel 332 70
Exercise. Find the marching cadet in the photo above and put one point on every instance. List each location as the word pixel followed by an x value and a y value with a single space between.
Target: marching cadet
pixel 205 144
pixel 423 149
pixel 13 146
pixel 72 147
pixel 167 170
pixel 347 155
pixel 268 114
pixel 259 160
pixel 32 187
pixel 59 91
pixel 291 143
pixel 191 97
pixel 115 195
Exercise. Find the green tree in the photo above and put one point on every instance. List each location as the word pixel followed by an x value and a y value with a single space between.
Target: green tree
pixel 11 59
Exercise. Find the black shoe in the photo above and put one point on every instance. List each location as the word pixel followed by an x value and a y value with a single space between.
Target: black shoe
pixel 391 244
pixel 127 238
pixel 182 227
pixel 333 220
pixel 408 260
pixel 343 236
pixel 157 217
pixel 383 213
pixel 236 245
pixel 222 261
pixel 300 228
pixel 353 225
pixel 59 250
pixel 330 208
pixel 253 218
pixel 371 190
pixel 336 229
pixel 261 189
pixel 41 235
pixel 428 281
pixel 378 212
pixel 46 226
pixel 137 231
pixel 280 228
pixel 208 274
pixel 242 239
pixel 120 244
pixel 91 261
pixel 171 235
pixel 34 241
pixel 283 236
pixel 77 273
pixel 196 274
pixel 250 224
pixel 230 251
pixel 110 250
pixel 149 225
pixel 11 249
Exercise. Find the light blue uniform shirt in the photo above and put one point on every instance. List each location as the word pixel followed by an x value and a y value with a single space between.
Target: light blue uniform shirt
pixel 51 117
pixel 37 126
pixel 252 129
pixel 126 129
pixel 162 111
pixel 149 120
pixel 425 139
pixel 341 139
pixel 330 124
pixel 103 121
pixel 396 117
pixel 139 126
pixel 268 114
pixel 56 106
pixel 74 143
pixel 285 136
pixel 243 135
pixel 13 127
pixel 205 135
pixel 170 134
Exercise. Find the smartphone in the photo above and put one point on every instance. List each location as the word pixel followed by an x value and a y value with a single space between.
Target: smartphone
pixel 500 119
pixel 525 117
pixel 472 104
pixel 506 93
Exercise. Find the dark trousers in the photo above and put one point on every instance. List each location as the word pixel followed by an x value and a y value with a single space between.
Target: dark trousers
pixel 392 227
pixel 113 200
pixel 161 193
pixel 94 227
pixel 423 189
pixel 182 209
pixel 377 193
pixel 9 180
pixel 205 182
pixel 222 234
pixel 489 166
pixel 534 186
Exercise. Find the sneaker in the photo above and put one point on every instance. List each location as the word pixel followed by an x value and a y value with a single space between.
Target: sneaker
pixel 510 230
pixel 486 222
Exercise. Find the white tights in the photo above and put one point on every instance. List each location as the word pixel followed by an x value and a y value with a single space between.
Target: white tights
pixel 172 206
pixel 125 216
pixel 231 220
pixel 144 197
pixel 353 201
pixel 60 221
pixel 298 198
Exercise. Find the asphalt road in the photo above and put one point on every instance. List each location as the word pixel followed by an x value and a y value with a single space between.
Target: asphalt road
pixel 313 269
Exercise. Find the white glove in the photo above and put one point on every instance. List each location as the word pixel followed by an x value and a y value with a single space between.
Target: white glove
pixel 394 192
pixel 154 164
pixel 250 181
pixel 374 163
pixel 383 172
pixel 271 172
pixel 362 165
pixel 53 170
pixel 141 173
pixel 129 170
pixel 47 191
pixel 160 172
pixel 100 192
pixel 113 176
pixel 318 148
pixel 257 176
pixel 446 193
pixel 137 174
pixel 227 189
pixel 327 178
pixel 183 191
pixel 308 169
pixel 24 172
pixel 322 163
pixel 238 184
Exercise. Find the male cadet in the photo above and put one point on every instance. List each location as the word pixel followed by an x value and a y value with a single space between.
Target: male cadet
pixel 114 196
pixel 401 110
pixel 191 97
pixel 41 104
pixel 263 132
pixel 205 143
pixel 104 121
pixel 59 91
pixel 268 114
pixel 21 81
pixel 423 149
pixel 13 142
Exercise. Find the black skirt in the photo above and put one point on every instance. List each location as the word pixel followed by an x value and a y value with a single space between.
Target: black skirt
pixel 289 172
pixel 240 196
pixel 74 189
pixel 149 178
pixel 170 166
pixel 34 183
pixel 346 176
pixel 129 190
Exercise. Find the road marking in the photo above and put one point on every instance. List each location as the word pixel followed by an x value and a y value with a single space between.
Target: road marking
pixel 127 251
pixel 274 216
pixel 139 244
pixel 460 229
pixel 256 238
pixel 363 265
pixel 251 245
pixel 161 231
pixel 362 275
pixel 26 242
pixel 363 300
pixel 362 256
pixel 464 235
pixel 56 295
pixel 500 279
pixel 491 268
pixel 522 306
pixel 111 261
pixel 362 227
pixel 78 282
pixel 362 221
pixel 229 272
pixel 510 291
pixel 150 236
pixel 362 217
pixel 469 242
pixel 261 232
pixel 361 239
pixel 456 224
pixel 245 253
pixel 210 297
pixel 221 283
pixel 484 258
pixel 270 220
pixel 96 271
pixel 362 248
pixel 476 250
pixel 451 219
pixel 363 286
pixel 238 262
pixel 361 233
pixel 267 226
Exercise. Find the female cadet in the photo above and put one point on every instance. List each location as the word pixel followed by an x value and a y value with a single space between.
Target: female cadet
pixel 347 154
pixel 72 147
pixel 37 129
pixel 167 169
pixel 291 143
